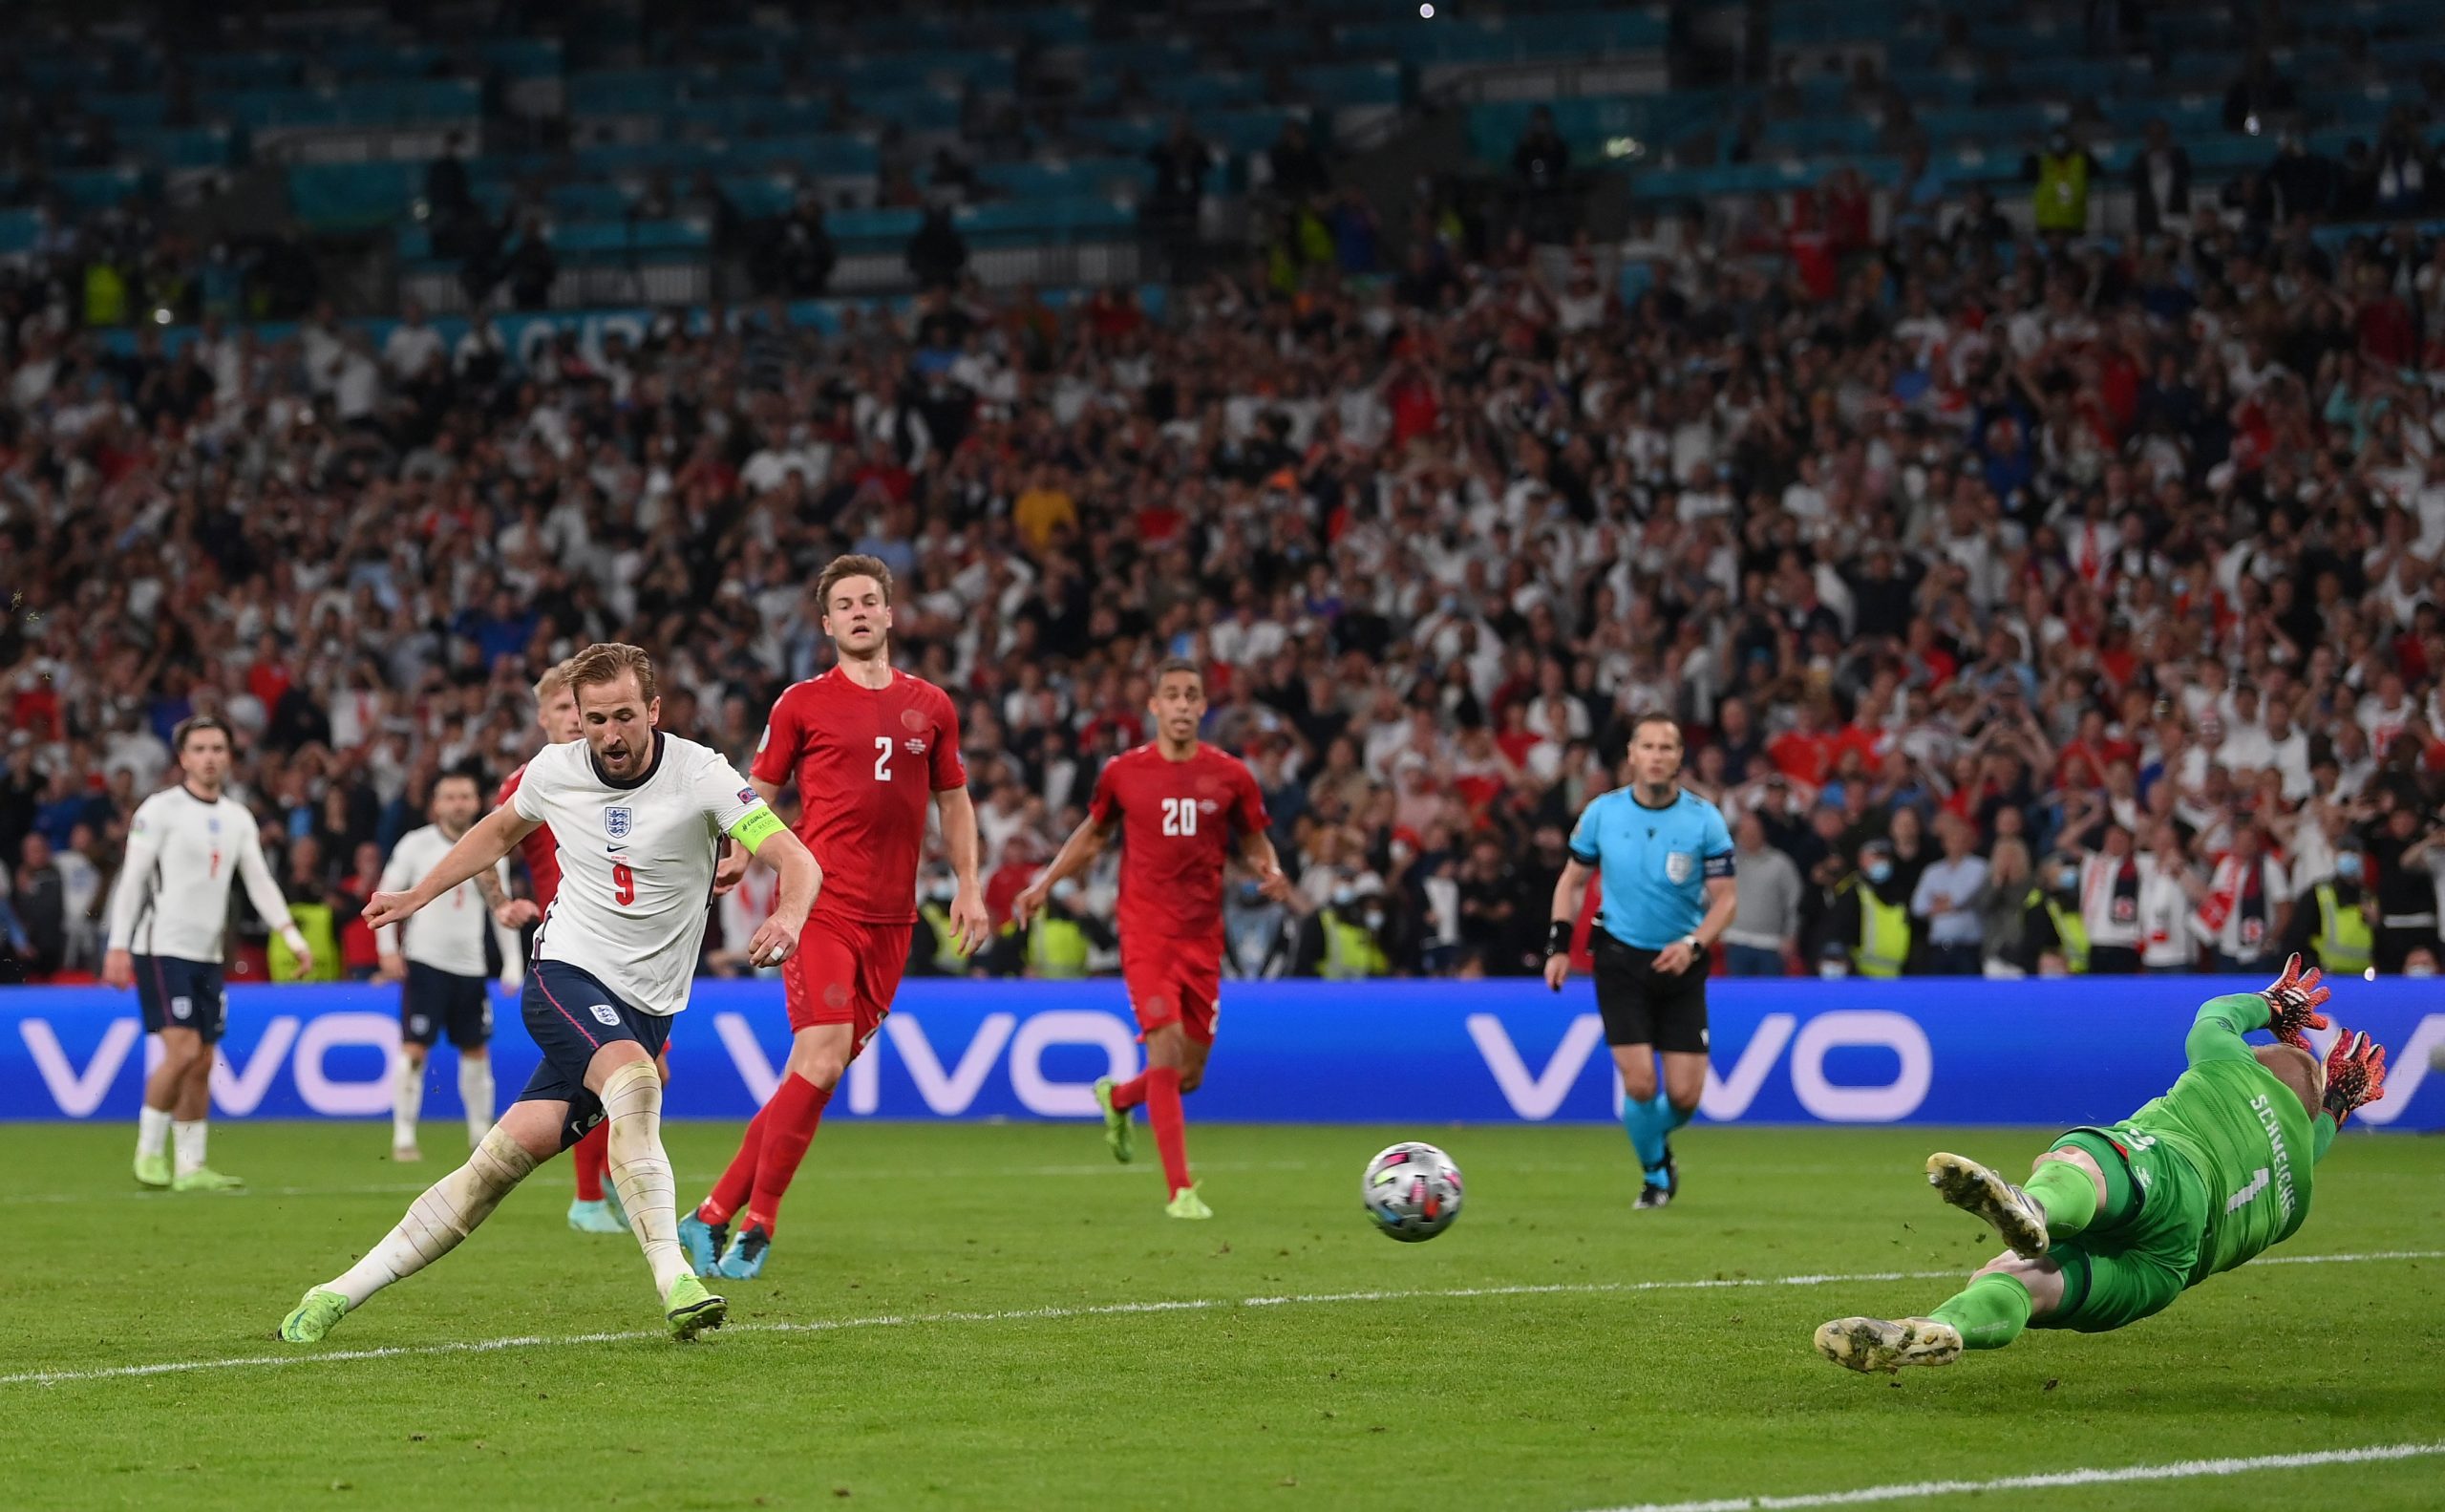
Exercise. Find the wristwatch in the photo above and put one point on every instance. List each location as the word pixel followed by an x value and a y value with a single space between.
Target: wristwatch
pixel 1692 940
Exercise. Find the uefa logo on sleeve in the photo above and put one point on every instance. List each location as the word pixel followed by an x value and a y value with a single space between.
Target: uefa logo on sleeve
pixel 617 822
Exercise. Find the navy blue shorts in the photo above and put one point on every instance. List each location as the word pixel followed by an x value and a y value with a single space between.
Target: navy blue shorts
pixel 432 1001
pixel 571 1016
pixel 182 995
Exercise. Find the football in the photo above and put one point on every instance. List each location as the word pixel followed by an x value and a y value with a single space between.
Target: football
pixel 1412 1191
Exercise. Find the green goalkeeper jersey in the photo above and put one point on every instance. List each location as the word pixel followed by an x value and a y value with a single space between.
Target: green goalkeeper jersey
pixel 2244 1131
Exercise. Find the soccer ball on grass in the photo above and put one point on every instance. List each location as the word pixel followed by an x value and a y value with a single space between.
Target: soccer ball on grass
pixel 1412 1191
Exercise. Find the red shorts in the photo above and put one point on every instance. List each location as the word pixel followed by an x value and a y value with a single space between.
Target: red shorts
pixel 845 972
pixel 1173 982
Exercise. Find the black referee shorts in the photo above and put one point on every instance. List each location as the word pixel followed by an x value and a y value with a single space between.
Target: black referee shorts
pixel 1641 1005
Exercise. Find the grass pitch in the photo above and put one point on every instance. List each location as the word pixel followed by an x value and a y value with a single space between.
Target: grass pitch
pixel 997 1317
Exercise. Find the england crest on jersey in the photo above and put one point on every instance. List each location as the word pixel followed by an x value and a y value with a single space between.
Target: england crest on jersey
pixel 1678 865
pixel 616 822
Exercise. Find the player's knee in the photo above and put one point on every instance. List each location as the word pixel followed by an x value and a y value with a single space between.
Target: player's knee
pixel 1685 1106
pixel 1190 1081
pixel 823 1070
pixel 411 1053
pixel 471 1053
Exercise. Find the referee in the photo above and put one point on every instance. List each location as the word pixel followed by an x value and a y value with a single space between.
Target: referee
pixel 1665 860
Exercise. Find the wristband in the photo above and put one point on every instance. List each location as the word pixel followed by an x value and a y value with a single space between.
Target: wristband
pixel 1558 937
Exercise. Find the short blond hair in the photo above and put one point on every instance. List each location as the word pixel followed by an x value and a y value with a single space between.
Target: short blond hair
pixel 608 662
pixel 554 679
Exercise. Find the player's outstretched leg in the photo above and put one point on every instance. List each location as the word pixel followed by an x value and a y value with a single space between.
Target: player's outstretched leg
pixel 1119 1134
pixel 641 1171
pixel 791 1121
pixel 705 1232
pixel 2012 1212
pixel 436 1222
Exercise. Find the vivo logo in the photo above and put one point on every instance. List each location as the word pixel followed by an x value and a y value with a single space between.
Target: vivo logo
pixel 1537 1097
pixel 238 1086
pixel 949 1090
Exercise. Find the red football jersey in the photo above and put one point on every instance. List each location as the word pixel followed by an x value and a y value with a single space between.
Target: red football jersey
pixel 867 761
pixel 1180 821
pixel 541 852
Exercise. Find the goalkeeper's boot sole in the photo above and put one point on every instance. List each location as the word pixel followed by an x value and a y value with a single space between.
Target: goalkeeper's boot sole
pixel 315 1315
pixel 2012 1213
pixel 1873 1345
pixel 1116 1129
pixel 691 1309
pixel 702 1243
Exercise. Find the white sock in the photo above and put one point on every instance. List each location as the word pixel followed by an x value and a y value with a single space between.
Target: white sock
pixel 189 1139
pixel 448 1211
pixel 475 1091
pixel 640 1170
pixel 153 1132
pixel 407 1102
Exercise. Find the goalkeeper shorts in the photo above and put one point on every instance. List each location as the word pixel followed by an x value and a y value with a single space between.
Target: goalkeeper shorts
pixel 2115 1276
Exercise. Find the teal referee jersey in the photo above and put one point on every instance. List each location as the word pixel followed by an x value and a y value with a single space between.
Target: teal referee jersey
pixel 1655 862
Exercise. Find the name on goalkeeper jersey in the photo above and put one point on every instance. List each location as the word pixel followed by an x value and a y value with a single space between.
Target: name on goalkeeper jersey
pixel 2283 1158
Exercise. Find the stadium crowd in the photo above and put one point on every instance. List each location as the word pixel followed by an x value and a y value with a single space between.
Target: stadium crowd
pixel 2029 607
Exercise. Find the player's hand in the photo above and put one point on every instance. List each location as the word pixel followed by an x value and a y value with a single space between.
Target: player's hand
pixel 2355 1074
pixel 390 907
pixel 1273 885
pixel 1031 898
pixel 970 925
pixel 2292 1001
pixel 517 913
pixel 774 943
pixel 731 867
pixel 119 969
pixel 1557 971
pixel 1675 957
pixel 395 968
pixel 304 954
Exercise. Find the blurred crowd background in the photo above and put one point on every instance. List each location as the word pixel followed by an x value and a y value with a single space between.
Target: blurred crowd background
pixel 2036 594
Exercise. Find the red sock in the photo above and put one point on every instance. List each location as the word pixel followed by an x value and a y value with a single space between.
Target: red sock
pixel 730 1193
pixel 1164 1112
pixel 588 1157
pixel 791 1119
pixel 1126 1095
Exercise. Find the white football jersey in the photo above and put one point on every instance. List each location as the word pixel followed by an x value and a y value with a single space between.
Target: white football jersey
pixel 636 864
pixel 173 894
pixel 447 933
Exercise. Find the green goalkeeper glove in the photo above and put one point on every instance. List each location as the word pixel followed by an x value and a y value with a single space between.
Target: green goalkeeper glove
pixel 2292 1003
pixel 2355 1074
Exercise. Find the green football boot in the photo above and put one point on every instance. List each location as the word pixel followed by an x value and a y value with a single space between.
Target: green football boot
pixel 315 1315
pixel 691 1310
pixel 1118 1131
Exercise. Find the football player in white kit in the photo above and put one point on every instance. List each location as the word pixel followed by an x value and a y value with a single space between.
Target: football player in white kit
pixel 438 959
pixel 166 921
pixel 639 816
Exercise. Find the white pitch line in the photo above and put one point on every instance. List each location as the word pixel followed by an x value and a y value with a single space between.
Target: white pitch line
pixel 2179 1470
pixel 856 1174
pixel 892 1320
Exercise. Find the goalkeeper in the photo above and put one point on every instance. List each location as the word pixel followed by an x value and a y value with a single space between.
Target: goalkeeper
pixel 2115 1223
